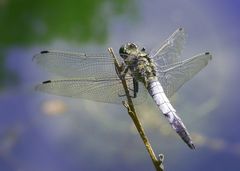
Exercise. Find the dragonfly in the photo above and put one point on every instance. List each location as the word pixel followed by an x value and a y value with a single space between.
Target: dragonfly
pixel 157 74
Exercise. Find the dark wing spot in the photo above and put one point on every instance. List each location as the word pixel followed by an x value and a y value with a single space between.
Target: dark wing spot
pixel 45 51
pixel 207 53
pixel 48 81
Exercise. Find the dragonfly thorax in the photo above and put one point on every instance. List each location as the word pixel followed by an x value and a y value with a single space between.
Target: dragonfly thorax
pixel 140 65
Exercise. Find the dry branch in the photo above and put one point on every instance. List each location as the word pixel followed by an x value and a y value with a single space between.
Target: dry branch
pixel 158 162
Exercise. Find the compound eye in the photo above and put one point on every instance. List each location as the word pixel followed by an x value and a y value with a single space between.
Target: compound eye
pixel 122 52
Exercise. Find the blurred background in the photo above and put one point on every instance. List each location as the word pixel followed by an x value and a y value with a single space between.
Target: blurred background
pixel 45 132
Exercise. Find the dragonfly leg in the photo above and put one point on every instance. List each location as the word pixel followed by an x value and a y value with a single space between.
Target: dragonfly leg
pixel 118 72
pixel 135 88
pixel 122 71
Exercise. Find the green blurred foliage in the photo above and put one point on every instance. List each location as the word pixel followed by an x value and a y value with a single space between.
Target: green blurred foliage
pixel 28 22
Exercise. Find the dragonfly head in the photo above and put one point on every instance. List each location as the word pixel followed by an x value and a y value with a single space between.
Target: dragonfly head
pixel 128 49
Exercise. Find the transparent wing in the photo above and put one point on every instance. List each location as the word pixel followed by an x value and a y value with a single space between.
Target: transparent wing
pixel 75 64
pixel 107 91
pixel 170 50
pixel 174 76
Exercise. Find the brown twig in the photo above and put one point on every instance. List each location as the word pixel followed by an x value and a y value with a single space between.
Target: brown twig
pixel 158 163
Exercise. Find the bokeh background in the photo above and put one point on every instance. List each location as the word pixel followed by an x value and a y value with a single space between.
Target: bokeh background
pixel 45 132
